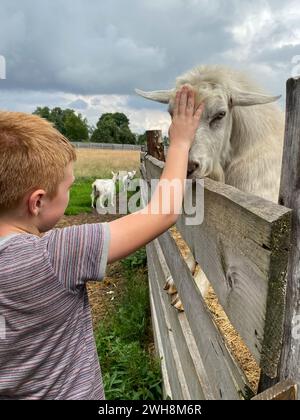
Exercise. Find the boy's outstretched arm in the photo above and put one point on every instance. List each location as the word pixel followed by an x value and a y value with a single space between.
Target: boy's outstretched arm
pixel 131 232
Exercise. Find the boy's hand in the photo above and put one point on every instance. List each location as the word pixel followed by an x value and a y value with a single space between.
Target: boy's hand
pixel 185 119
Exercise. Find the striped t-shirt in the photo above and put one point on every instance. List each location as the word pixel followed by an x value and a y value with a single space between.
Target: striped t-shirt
pixel 47 348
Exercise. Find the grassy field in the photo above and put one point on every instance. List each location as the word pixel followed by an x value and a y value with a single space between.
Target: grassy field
pixel 99 163
pixel 92 164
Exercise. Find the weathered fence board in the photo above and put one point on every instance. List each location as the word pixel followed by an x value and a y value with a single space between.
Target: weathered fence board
pixel 173 362
pixel 194 371
pixel 286 390
pixel 202 357
pixel 167 393
pixel 242 246
pixel 290 196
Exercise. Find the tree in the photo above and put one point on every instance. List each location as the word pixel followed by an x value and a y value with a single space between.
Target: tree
pixel 113 128
pixel 141 139
pixel 43 112
pixel 120 119
pixel 67 122
pixel 126 136
pixel 102 134
pixel 106 131
pixel 76 128
pixel 57 117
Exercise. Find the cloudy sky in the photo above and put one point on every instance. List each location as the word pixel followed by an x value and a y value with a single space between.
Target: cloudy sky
pixel 91 54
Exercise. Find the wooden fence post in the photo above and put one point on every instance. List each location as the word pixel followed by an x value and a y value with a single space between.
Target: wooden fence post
pixel 289 196
pixel 285 390
pixel 155 144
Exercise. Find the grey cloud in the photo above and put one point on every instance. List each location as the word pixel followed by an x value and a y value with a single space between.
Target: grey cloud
pixel 135 101
pixel 100 48
pixel 104 48
pixel 78 104
pixel 27 100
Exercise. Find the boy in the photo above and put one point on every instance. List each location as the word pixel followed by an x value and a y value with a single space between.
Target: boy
pixel 47 349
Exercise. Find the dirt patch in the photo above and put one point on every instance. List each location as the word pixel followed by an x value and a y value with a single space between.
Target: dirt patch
pixel 83 218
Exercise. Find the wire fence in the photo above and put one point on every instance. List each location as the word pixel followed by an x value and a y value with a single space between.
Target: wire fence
pixel 111 146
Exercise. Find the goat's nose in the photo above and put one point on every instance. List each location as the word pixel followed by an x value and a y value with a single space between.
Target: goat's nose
pixel 192 167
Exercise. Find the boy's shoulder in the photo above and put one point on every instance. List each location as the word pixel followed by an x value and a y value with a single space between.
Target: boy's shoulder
pixel 16 239
pixel 4 239
pixel 17 249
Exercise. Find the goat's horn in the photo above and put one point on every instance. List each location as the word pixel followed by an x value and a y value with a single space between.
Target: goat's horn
pixel 162 96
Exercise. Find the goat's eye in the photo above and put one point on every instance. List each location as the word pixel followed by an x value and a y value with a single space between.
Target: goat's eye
pixel 218 117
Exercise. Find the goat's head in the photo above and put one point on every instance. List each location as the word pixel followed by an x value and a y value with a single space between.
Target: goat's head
pixel 131 174
pixel 211 148
pixel 115 176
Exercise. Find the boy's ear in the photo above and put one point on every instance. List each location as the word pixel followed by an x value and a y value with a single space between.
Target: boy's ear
pixel 35 202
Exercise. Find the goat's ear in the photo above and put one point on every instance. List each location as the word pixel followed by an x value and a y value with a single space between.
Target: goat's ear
pixel 162 96
pixel 243 98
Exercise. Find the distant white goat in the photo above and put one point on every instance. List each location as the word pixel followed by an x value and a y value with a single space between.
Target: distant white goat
pixel 104 189
pixel 240 138
pixel 125 178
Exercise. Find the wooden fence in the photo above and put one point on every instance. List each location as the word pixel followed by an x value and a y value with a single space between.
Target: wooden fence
pixel 249 249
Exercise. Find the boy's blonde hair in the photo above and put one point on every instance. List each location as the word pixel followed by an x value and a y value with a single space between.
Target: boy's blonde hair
pixel 33 155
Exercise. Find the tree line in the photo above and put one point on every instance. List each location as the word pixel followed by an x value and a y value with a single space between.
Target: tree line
pixel 110 128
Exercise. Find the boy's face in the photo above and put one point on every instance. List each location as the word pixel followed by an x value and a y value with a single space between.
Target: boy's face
pixel 53 210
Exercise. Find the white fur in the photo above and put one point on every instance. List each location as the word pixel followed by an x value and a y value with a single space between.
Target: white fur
pixel 125 178
pixel 104 189
pixel 244 149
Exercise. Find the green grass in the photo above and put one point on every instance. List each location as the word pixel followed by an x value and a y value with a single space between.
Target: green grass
pixel 80 196
pixel 129 371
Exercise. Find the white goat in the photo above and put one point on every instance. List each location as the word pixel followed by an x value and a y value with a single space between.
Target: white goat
pixel 239 141
pixel 104 189
pixel 125 178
